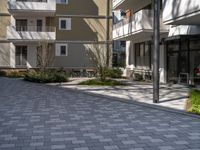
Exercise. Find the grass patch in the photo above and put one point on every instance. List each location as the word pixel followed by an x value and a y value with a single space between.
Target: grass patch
pixel 46 77
pixel 107 82
pixel 194 102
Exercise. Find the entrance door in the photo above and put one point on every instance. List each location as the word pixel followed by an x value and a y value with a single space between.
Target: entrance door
pixel 39 25
pixel 21 56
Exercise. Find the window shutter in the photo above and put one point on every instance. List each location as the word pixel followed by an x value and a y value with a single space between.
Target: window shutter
pixel 57 51
pixel 69 23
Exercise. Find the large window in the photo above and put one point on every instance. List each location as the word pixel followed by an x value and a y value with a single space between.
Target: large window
pixel 183 60
pixel 143 55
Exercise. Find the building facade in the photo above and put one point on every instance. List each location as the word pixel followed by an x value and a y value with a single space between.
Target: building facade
pixel 179 38
pixel 65 27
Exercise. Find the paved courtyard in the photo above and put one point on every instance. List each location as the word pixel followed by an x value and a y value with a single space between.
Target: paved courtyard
pixel 171 96
pixel 41 117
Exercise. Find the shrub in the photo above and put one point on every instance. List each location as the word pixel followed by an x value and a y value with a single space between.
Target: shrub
pixel 114 73
pixel 45 77
pixel 194 101
pixel 138 77
pixel 12 74
pixel 102 83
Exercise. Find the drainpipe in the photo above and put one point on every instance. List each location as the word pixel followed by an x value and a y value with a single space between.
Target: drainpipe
pixel 156 52
pixel 107 33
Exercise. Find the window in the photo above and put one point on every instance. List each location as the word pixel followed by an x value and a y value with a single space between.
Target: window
pixel 21 24
pixel 142 55
pixel 62 1
pixel 20 55
pixel 65 23
pixel 61 49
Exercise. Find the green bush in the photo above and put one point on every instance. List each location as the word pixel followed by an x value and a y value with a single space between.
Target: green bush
pixel 114 73
pixel 102 83
pixel 194 100
pixel 12 74
pixel 138 77
pixel 45 77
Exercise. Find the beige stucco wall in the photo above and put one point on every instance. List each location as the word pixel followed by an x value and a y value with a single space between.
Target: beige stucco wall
pixel 83 29
pixel 3 6
pixel 77 57
pixel 4 22
pixel 5 60
pixel 86 7
pixel 4 54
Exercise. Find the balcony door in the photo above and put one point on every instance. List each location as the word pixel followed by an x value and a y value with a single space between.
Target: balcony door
pixel 21 56
pixel 39 25
pixel 21 24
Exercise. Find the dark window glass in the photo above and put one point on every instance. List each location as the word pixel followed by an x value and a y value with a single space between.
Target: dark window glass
pixel 63 24
pixel 21 55
pixel 62 50
pixel 195 44
pixel 63 1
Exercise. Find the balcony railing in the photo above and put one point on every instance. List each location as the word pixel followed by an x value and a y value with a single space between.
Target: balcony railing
pixel 45 1
pixel 140 22
pixel 34 28
pixel 38 6
pixel 181 12
pixel 135 18
pixel 31 33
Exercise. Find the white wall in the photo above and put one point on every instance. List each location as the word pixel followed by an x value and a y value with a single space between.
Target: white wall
pixel 39 6
pixel 181 10
pixel 32 55
pixel 12 55
pixel 184 30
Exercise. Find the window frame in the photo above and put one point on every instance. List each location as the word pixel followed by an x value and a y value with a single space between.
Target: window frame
pixel 58 50
pixel 68 23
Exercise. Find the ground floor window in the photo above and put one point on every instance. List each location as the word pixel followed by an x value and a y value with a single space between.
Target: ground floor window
pixel 143 55
pixel 61 50
pixel 21 55
pixel 183 61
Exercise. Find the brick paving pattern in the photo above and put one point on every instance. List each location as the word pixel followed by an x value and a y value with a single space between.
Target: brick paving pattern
pixel 40 117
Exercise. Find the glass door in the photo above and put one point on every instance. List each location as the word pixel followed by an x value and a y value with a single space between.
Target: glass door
pixel 39 25
pixel 21 56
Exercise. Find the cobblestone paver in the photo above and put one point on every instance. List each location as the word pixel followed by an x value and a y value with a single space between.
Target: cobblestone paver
pixel 39 117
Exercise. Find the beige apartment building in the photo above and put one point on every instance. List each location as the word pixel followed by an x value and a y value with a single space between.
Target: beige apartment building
pixel 66 27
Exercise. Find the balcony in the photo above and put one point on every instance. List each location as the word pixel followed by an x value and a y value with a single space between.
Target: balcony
pixel 135 5
pixel 31 33
pixel 181 12
pixel 140 25
pixel 40 7
pixel 184 30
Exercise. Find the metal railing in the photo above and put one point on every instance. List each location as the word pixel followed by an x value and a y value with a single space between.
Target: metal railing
pixel 34 28
pixel 127 20
pixel 42 1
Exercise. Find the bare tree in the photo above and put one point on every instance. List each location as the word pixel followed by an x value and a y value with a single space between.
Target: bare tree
pixel 45 55
pixel 98 56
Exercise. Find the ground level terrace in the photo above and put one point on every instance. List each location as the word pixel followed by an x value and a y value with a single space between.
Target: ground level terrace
pixel 179 59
